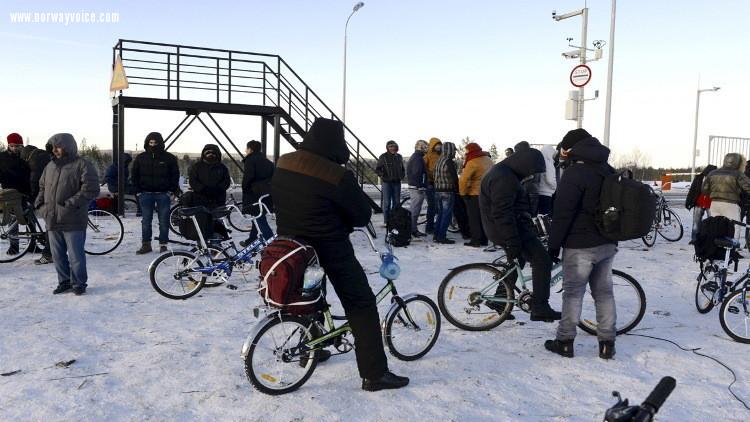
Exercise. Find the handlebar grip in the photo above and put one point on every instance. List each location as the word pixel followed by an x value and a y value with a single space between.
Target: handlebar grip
pixel 660 393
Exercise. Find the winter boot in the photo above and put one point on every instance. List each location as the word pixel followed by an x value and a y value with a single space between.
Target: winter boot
pixel 62 288
pixel 79 290
pixel 44 259
pixel 607 349
pixel 562 348
pixel 389 380
pixel 162 247
pixel 145 248
pixel 545 313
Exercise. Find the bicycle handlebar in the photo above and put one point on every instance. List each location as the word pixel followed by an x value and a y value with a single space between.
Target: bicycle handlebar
pixel 659 395
pixel 621 412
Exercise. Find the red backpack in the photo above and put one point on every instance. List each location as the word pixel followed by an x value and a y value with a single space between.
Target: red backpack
pixel 282 271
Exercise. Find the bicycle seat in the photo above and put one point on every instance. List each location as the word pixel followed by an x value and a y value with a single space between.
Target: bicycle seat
pixel 726 242
pixel 191 211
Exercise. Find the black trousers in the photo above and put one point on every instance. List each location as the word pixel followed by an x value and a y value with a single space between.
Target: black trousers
pixel 533 251
pixel 475 220
pixel 349 281
pixel 462 218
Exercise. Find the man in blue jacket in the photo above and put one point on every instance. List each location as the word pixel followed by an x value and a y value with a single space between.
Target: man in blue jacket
pixel 416 176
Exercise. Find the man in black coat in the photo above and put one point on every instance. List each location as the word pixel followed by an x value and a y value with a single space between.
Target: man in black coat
pixel 256 182
pixel 390 168
pixel 507 222
pixel 696 201
pixel 587 255
pixel 14 171
pixel 154 174
pixel 319 201
pixel 209 178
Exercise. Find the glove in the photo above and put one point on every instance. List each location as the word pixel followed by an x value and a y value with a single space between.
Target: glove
pixel 554 254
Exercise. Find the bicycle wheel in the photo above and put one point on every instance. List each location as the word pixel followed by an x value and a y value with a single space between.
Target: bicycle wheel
pixel 174 220
pixel 411 330
pixel 15 240
pixel 671 226
pixel 706 290
pixel 630 304
pixel 735 315
pixel 650 238
pixel 176 275
pixel 277 361
pixel 239 221
pixel 104 232
pixel 460 297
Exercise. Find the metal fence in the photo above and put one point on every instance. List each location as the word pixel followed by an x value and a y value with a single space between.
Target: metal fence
pixel 719 146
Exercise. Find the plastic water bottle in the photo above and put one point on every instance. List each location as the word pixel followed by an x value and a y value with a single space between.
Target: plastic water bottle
pixel 389 269
pixel 313 278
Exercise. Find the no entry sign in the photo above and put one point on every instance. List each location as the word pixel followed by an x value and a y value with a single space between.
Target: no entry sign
pixel 580 75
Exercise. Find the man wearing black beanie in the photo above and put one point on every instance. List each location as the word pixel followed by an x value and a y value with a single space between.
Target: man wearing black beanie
pixel 256 182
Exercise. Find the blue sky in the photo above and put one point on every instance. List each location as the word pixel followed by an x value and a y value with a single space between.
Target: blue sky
pixel 490 70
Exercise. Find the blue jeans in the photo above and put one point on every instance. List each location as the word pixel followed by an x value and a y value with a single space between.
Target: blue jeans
pixel 391 198
pixel 69 257
pixel 430 197
pixel 265 229
pixel 593 267
pixel 149 201
pixel 444 202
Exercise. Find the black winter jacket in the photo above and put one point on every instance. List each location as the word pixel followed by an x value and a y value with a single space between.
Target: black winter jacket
pixel 416 171
pixel 577 197
pixel 696 186
pixel 504 203
pixel 209 180
pixel 256 181
pixel 37 159
pixel 15 173
pixel 314 196
pixel 390 167
pixel 155 170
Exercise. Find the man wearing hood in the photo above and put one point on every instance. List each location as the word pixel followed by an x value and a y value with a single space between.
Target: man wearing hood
pixel 209 178
pixel 256 182
pixel 154 174
pixel 697 200
pixel 390 168
pixel 547 181
pixel 446 188
pixel 506 218
pixel 318 200
pixel 66 187
pixel 725 187
pixel 434 149
pixel 416 175
pixel 587 255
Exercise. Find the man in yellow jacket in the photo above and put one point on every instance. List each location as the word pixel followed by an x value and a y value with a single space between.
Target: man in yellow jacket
pixel 434 149
pixel 476 164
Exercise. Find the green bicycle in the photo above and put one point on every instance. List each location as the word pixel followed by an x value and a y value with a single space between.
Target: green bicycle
pixel 481 296
pixel 281 353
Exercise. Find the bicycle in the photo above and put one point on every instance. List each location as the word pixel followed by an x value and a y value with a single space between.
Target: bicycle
pixel 622 412
pixel 713 289
pixel 182 274
pixel 281 353
pixel 236 218
pixel 480 296
pixel 667 223
pixel 104 233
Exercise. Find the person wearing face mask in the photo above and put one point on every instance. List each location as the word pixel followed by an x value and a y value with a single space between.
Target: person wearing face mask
pixel 434 149
pixel 154 174
pixel 209 178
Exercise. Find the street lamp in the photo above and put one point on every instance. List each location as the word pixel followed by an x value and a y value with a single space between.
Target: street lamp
pixel 356 7
pixel 695 133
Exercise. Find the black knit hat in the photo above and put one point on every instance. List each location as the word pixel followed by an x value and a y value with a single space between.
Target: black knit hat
pixel 573 137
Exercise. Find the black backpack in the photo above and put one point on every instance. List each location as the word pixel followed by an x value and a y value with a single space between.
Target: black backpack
pixel 709 230
pixel 400 220
pixel 626 209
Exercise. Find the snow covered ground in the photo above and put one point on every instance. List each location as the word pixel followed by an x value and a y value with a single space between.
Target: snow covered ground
pixel 140 356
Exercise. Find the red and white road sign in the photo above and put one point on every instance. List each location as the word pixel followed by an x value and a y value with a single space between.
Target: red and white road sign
pixel 580 76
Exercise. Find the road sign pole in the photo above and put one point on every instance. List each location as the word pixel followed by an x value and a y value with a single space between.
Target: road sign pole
pixel 584 32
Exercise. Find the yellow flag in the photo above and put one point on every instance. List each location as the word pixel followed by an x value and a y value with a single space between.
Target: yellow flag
pixel 119 80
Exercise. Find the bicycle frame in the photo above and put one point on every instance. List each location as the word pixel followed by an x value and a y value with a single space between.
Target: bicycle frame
pixel 521 279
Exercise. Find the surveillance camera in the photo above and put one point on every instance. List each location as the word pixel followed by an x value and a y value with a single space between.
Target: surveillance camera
pixel 554 14
pixel 572 54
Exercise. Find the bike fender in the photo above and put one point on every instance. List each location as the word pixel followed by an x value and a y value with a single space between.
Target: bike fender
pixel 392 310
pixel 461 267
pixel 248 342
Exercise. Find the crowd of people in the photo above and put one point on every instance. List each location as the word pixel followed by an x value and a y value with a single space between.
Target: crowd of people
pixel 317 199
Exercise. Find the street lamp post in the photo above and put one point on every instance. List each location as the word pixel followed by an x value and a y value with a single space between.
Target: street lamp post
pixel 356 7
pixel 695 132
pixel 610 65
